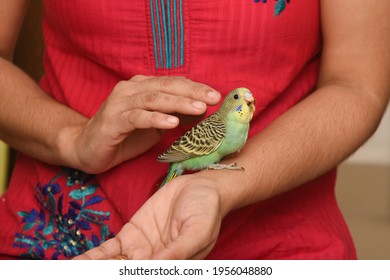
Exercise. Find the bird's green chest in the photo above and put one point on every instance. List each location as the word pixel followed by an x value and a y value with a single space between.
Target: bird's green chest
pixel 236 136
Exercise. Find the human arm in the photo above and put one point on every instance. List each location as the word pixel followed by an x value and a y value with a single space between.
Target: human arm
pixel 338 117
pixel 305 142
pixel 134 110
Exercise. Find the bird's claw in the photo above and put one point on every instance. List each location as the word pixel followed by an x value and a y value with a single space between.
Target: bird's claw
pixel 231 166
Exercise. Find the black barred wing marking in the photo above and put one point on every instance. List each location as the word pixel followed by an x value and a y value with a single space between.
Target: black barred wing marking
pixel 202 139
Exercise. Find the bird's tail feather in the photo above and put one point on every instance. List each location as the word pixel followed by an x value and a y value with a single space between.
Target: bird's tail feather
pixel 172 174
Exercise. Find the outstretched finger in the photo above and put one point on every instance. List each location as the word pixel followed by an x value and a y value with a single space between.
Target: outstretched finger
pixel 141 119
pixel 164 103
pixel 140 78
pixel 181 87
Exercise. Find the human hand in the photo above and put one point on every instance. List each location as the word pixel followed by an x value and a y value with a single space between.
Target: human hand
pixel 180 221
pixel 131 119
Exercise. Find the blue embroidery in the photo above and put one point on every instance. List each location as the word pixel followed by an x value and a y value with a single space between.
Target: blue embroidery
pixel 168 33
pixel 279 6
pixel 66 233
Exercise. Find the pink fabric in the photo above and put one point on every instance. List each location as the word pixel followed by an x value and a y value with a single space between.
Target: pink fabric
pixel 93 44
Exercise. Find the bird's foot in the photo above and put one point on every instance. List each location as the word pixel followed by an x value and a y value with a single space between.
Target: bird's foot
pixel 219 166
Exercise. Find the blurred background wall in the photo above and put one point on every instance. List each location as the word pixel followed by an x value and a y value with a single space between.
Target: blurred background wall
pixel 363 187
pixel 29 48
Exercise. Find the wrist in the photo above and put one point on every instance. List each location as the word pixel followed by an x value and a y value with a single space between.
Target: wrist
pixel 223 184
pixel 66 145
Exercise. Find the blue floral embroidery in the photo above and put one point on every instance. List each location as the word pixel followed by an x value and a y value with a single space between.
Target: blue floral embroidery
pixel 279 6
pixel 66 233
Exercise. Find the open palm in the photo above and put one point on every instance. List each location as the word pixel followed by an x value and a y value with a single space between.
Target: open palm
pixel 180 221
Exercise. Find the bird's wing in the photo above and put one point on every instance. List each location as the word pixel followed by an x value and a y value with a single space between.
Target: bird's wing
pixel 202 139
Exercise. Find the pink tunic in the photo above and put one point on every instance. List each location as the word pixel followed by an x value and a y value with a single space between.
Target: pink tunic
pixel 271 47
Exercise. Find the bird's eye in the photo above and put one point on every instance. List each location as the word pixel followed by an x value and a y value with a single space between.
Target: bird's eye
pixel 236 97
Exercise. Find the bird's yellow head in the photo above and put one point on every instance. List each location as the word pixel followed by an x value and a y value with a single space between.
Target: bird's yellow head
pixel 241 102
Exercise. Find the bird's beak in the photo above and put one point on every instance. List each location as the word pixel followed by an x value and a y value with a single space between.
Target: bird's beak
pixel 250 100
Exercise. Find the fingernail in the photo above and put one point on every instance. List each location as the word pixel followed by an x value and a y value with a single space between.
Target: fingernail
pixel 213 94
pixel 172 120
pixel 198 105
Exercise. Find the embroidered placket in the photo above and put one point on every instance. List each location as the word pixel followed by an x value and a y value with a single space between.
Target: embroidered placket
pixel 168 33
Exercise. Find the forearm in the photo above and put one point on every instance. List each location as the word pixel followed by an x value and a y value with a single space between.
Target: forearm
pixel 33 122
pixel 321 131
pixel 305 142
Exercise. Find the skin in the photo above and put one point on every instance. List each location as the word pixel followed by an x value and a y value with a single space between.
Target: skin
pixel 182 220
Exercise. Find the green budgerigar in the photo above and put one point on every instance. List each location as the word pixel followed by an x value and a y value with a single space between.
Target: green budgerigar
pixel 217 136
